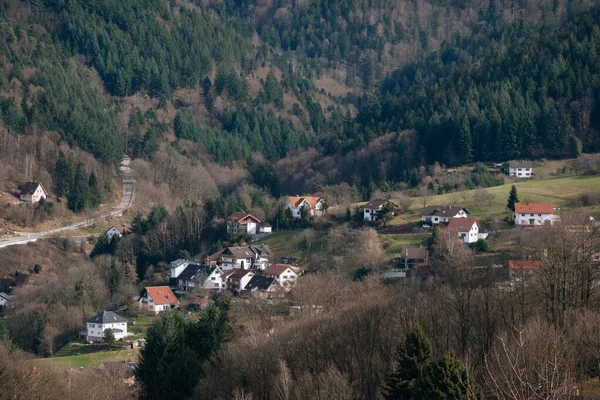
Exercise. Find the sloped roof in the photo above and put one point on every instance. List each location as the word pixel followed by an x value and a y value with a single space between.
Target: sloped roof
pixel 161 295
pixel 445 211
pixel 297 200
pixel 259 282
pixel 524 264
pixel 415 253
pixel 177 263
pixel 534 208
pixel 520 164
pixel 242 218
pixel 193 270
pixel 277 269
pixel 240 252
pixel 263 250
pixel 375 204
pixel 239 274
pixel 462 224
pixel 107 317
pixel 215 256
pixel 29 188
pixel 4 295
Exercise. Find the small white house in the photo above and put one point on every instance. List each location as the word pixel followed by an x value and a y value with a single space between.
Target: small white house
pixel 466 228
pixel 533 214
pixel 97 326
pixel 237 279
pixel 238 223
pixel 33 192
pixel 246 257
pixel 296 203
pixel 177 267
pixel 520 169
pixel 203 276
pixel 284 275
pixel 265 227
pixel 112 232
pixel 372 210
pixel 4 298
pixel 437 214
pixel 156 299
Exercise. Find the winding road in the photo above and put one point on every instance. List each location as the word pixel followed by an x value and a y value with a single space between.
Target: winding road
pixel 126 202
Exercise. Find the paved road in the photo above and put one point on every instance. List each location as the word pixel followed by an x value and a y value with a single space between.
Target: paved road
pixel 126 202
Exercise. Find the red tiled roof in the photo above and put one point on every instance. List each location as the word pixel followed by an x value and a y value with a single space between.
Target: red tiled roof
pixel 534 208
pixel 241 218
pixel 162 295
pixel 462 224
pixel 524 264
pixel 296 200
pixel 277 269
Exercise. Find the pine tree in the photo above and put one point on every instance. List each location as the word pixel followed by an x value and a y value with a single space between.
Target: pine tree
pixel 79 195
pixel 447 379
pixel 113 280
pixel 63 175
pixel 109 337
pixel 512 198
pixel 466 142
pixel 95 193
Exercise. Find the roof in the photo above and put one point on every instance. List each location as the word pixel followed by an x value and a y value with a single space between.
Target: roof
pixel 524 264
pixel 266 224
pixel 215 256
pixel 264 250
pixel 107 317
pixel 4 296
pixel 447 211
pixel 297 200
pixel 534 208
pixel 239 274
pixel 242 217
pixel 29 188
pixel 462 224
pixel 375 204
pixel 240 251
pixel 520 164
pixel 415 253
pixel 161 294
pixel 193 270
pixel 277 269
pixel 259 282
pixel 177 263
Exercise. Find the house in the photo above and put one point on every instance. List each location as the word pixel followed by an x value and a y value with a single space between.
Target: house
pixel 534 214
pixel 413 256
pixel 372 209
pixel 237 279
pixel 242 223
pixel 296 203
pixel 246 257
pixel 466 228
pixel 264 286
pixel 4 298
pixel 98 324
pixel 114 231
pixel 215 258
pixel 520 269
pixel 284 275
pixel 265 227
pixel 201 276
pixel 520 169
pixel 33 192
pixel 177 267
pixel 156 299
pixel 436 214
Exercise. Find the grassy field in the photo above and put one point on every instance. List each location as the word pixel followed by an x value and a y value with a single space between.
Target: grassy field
pixel 393 244
pixel 285 243
pixel 90 360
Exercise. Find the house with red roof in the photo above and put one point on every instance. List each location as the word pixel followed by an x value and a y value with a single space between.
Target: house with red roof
pixel 533 214
pixel 284 275
pixel 296 203
pixel 466 228
pixel 240 223
pixel 156 299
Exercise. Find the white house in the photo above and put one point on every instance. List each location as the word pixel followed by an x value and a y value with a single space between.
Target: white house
pixel 238 223
pixel 284 275
pixel 97 325
pixel 33 192
pixel 237 279
pixel 177 267
pixel 372 209
pixel 534 214
pixel 436 214
pixel 265 227
pixel 262 286
pixel 113 231
pixel 4 298
pixel 246 257
pixel 466 228
pixel 156 299
pixel 520 169
pixel 203 276
pixel 296 203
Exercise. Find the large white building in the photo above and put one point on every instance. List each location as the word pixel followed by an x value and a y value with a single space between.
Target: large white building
pixel 534 214
pixel 520 169
pixel 97 326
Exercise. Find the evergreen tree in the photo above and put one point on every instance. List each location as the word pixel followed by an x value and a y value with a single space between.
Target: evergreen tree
pixel 448 379
pixel 109 338
pixel 95 193
pixel 512 198
pixel 79 195
pixel 466 142
pixel 113 280
pixel 63 175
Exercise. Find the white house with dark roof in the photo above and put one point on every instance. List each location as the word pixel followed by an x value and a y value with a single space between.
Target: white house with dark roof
pixel 177 267
pixel 98 324
pixel 372 209
pixel 239 223
pixel 246 257
pixel 33 192
pixel 437 214
pixel 201 276
pixel 520 169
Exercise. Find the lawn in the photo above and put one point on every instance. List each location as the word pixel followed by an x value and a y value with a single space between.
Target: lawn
pixel 285 243
pixel 90 360
pixel 393 243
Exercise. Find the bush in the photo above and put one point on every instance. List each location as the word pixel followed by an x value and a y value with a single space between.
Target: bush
pixel 482 246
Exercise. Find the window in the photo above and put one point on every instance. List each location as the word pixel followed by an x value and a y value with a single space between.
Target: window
pixel 92 326
pixel 212 279
pixel 539 215
pixel 531 215
pixel 367 211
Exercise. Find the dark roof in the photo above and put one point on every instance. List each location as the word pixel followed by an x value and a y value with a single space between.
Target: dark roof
pixel 266 224
pixel 106 317
pixel 415 253
pixel 259 282
pixel 462 224
pixel 263 250
pixel 520 164
pixel 446 211
pixel 30 188
pixel 375 204
pixel 239 274
pixel 193 270
pixel 250 251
